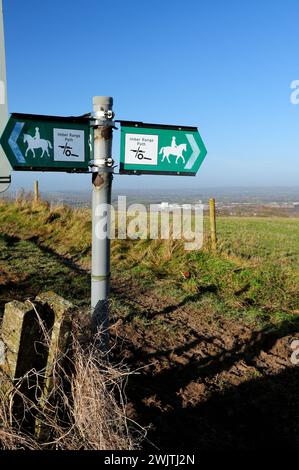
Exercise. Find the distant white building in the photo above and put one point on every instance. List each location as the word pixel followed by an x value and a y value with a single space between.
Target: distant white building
pixel 165 206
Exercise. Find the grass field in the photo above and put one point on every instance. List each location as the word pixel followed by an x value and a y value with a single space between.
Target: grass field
pixel 210 332
pixel 255 272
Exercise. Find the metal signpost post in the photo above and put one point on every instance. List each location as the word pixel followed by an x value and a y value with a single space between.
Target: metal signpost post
pixel 102 168
pixel 5 168
pixel 160 149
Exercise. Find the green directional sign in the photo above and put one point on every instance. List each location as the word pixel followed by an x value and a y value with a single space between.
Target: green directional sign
pixel 47 143
pixel 160 149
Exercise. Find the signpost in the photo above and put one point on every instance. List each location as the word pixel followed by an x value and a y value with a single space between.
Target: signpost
pixel 71 144
pixel 47 143
pixel 5 168
pixel 160 149
pixel 84 144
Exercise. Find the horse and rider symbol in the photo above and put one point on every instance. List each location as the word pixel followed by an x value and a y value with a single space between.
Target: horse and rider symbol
pixel 34 143
pixel 174 150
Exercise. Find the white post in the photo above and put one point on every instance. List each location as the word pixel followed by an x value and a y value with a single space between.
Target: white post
pixel 5 168
pixel 102 167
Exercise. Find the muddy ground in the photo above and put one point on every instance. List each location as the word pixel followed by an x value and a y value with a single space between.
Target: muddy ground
pixel 200 380
pixel 209 382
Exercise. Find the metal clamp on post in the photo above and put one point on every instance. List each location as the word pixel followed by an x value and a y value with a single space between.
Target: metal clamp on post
pixel 105 165
pixel 102 123
pixel 102 118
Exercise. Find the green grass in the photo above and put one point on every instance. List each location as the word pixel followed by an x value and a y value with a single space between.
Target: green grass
pixel 261 239
pixel 25 271
pixel 253 276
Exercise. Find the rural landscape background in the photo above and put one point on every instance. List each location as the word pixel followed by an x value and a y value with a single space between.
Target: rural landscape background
pixel 207 335
pixel 241 201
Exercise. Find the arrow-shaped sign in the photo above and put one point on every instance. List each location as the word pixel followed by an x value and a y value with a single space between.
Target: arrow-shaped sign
pixel 195 152
pixel 47 143
pixel 160 149
pixel 13 142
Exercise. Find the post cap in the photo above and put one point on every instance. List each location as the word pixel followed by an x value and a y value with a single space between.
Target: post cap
pixel 102 101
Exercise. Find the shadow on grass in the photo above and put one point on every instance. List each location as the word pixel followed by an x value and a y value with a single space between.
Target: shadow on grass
pixel 149 313
pixel 68 262
pixel 49 271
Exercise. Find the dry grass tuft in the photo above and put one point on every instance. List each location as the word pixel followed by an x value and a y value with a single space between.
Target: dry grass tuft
pixel 98 410
pixel 85 409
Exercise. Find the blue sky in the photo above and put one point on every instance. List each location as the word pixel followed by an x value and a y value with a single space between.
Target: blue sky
pixel 225 67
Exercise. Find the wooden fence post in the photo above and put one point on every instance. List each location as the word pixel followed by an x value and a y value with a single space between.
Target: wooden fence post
pixel 36 191
pixel 213 224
